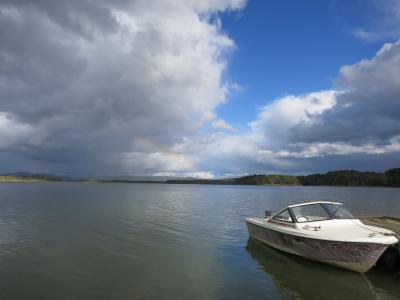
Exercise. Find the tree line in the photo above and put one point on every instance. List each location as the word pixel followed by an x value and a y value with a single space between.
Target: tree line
pixel 335 178
pixel 340 178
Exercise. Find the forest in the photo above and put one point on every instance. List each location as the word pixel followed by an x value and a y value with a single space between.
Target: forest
pixel 335 178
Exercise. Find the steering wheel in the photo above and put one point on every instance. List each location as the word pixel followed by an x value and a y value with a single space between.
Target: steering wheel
pixel 302 219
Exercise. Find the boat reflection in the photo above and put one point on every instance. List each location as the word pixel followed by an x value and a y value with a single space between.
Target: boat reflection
pixel 298 278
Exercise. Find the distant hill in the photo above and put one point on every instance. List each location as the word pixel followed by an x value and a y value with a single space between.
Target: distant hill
pixel 29 177
pixel 132 179
pixel 142 178
pixel 335 178
pixel 202 181
pixel 94 180
pixel 268 179
pixel 347 178
pixel 245 180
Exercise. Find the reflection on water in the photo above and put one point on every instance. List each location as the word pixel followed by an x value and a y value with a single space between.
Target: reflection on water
pixel 304 279
pixel 140 241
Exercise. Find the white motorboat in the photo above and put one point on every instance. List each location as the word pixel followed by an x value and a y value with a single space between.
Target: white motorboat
pixel 326 232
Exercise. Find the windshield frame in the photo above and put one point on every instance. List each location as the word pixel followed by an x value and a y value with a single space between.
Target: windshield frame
pixel 330 217
pixel 292 217
pixel 322 204
pixel 332 213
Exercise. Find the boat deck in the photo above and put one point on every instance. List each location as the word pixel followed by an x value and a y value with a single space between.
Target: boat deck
pixel 390 223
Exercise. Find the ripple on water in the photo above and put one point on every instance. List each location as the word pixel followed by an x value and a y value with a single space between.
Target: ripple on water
pixel 76 241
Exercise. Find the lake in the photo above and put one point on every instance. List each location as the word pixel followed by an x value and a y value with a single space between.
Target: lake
pixel 159 241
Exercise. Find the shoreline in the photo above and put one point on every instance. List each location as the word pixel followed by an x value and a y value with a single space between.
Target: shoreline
pixel 338 178
pixel 184 183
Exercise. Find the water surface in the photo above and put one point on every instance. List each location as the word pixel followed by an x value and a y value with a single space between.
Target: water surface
pixel 155 241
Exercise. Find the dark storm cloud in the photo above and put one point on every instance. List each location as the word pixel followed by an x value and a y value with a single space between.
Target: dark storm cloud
pixel 108 87
pixel 356 126
pixel 369 109
pixel 100 83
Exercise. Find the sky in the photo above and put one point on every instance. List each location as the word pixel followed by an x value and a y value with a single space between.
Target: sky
pixel 199 88
pixel 292 47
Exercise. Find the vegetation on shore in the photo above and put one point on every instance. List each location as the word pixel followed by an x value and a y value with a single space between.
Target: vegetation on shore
pixel 268 179
pixel 119 181
pixel 202 181
pixel 350 178
pixel 29 178
pixel 335 178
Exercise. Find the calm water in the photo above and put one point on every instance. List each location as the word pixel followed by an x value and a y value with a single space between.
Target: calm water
pixel 142 241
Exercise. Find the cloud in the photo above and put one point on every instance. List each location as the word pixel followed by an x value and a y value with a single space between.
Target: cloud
pixel 132 87
pixel 383 25
pixel 222 125
pixel 273 125
pixel 13 133
pixel 368 111
pixel 357 125
pixel 235 87
pixel 368 36
pixel 112 86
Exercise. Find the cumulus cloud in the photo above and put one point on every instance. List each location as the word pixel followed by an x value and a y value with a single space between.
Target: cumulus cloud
pixel 116 84
pixel 357 125
pixel 132 87
pixel 369 109
pixel 12 132
pixel 276 120
pixel 222 124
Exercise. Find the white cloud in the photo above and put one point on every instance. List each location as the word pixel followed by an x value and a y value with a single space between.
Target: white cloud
pixel 148 162
pixel 222 124
pixel 111 85
pixel 383 24
pixel 202 174
pixel 275 120
pixel 356 126
pixel 327 149
pixel 13 133
pixel 368 112
pixel 365 35
pixel 236 87
pixel 127 86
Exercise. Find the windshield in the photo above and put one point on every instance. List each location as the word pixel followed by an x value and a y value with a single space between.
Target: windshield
pixel 283 216
pixel 310 213
pixel 338 211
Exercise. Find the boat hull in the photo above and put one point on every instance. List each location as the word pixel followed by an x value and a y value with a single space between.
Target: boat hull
pixel 354 256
